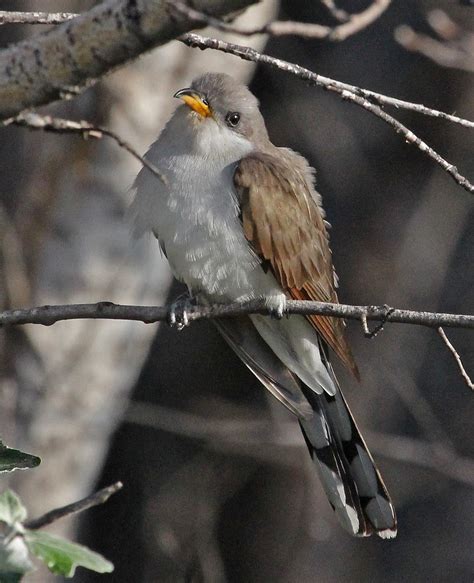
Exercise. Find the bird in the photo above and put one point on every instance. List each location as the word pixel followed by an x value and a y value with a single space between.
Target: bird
pixel 239 218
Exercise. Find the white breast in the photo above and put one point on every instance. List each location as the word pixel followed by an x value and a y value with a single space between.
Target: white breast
pixel 196 215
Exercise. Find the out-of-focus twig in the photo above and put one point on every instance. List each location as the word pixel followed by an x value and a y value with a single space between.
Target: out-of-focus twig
pixel 347 92
pixel 351 25
pixel 454 352
pixel 58 125
pixel 337 13
pixel 242 434
pixel 454 50
pixel 93 500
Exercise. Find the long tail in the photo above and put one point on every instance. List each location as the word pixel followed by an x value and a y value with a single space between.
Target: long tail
pixel 346 468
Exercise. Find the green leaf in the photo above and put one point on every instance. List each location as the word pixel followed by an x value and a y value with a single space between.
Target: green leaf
pixel 12 510
pixel 14 561
pixel 14 459
pixel 62 556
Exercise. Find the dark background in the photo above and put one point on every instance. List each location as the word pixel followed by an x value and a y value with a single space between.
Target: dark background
pixel 218 484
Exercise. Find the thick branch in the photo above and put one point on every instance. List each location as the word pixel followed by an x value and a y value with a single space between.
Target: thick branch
pixel 48 315
pixel 13 17
pixel 347 92
pixel 37 71
pixel 93 500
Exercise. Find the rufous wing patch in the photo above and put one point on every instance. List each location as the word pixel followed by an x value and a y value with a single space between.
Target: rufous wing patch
pixel 285 225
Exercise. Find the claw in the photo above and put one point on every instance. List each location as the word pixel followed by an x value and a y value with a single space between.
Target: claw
pixel 178 313
pixel 277 306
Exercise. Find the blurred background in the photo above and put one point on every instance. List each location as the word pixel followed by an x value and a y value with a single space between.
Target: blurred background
pixel 218 485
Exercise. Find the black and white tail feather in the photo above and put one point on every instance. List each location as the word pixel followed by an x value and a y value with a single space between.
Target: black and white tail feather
pixel 345 466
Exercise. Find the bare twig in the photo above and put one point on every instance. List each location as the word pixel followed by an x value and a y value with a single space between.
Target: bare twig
pixel 47 123
pixel 48 315
pixel 453 351
pixel 337 13
pixel 10 17
pixel 347 92
pixel 93 500
pixel 372 95
pixel 380 326
pixel 352 24
pixel 455 49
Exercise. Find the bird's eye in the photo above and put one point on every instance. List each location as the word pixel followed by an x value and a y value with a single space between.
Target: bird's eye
pixel 232 118
pixel 205 101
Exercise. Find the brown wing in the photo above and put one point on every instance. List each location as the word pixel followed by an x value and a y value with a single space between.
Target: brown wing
pixel 284 223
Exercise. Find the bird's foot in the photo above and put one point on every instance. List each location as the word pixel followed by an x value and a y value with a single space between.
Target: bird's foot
pixel 277 306
pixel 178 314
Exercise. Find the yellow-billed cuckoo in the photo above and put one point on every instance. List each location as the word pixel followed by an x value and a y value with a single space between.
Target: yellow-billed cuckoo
pixel 238 219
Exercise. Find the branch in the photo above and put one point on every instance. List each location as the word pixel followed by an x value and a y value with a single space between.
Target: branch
pixel 337 13
pixel 29 17
pixel 48 315
pixel 457 358
pixel 353 23
pixel 77 52
pixel 455 49
pixel 10 17
pixel 93 500
pixel 347 92
pixel 47 123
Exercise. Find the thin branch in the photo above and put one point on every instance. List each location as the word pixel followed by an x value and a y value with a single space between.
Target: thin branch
pixel 347 92
pixel 453 351
pixel 48 315
pixel 372 95
pixel 366 99
pixel 10 17
pixel 93 500
pixel 353 24
pixel 337 13
pixel 85 129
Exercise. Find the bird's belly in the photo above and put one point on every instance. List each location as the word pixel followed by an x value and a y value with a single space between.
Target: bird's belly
pixel 207 250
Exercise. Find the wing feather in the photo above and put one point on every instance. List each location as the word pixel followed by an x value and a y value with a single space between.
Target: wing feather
pixel 285 225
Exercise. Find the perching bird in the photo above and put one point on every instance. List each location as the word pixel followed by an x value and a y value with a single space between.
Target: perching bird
pixel 238 219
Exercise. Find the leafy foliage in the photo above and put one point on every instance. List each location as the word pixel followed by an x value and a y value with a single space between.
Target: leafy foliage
pixel 62 557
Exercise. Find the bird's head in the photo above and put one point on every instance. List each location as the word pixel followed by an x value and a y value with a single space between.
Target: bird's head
pixel 223 111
